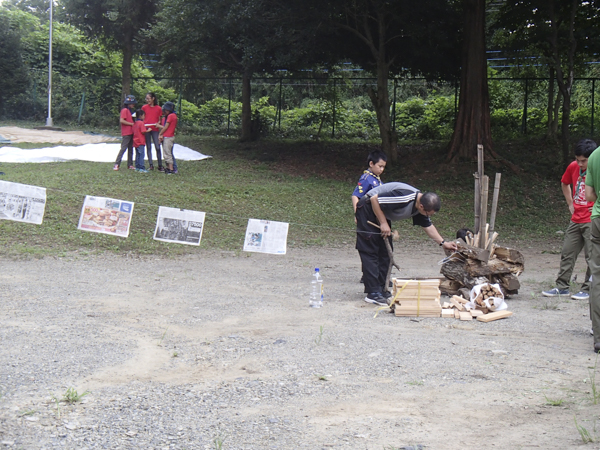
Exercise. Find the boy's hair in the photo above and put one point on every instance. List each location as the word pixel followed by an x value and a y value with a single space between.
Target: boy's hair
pixel 375 156
pixel 585 147
pixel 431 201
pixel 139 113
pixel 463 233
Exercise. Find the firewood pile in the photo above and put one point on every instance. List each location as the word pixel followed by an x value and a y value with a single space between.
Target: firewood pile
pixel 421 298
pixel 478 259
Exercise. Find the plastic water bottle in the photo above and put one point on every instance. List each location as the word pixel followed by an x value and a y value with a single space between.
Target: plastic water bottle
pixel 316 290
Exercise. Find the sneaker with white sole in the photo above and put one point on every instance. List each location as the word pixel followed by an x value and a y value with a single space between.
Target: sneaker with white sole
pixel 116 167
pixel 555 292
pixel 376 298
pixel 581 296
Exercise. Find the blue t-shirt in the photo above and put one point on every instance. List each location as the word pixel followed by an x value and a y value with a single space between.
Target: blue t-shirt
pixel 366 182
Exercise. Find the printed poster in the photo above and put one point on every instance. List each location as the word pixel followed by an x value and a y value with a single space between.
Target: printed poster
pixel 179 226
pixel 22 203
pixel 106 215
pixel 265 236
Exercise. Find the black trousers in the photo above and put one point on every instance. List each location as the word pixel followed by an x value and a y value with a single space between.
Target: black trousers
pixel 371 248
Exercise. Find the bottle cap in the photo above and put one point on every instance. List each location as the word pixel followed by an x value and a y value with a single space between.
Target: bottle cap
pixel 316 269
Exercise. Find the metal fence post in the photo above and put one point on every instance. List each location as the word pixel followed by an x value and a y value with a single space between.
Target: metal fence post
pixel 524 121
pixel 333 106
pixel 81 106
pixel 229 107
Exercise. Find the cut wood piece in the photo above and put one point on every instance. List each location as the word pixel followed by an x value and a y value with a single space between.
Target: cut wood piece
pixel 494 316
pixel 465 315
pixel 466 293
pixel 460 299
pixel 456 314
pixel 448 313
pixel 494 266
pixel 509 281
pixel 510 255
pixel 400 282
pixel 446 305
pixel 449 287
pixel 476 313
pixel 472 252
pixel 457 304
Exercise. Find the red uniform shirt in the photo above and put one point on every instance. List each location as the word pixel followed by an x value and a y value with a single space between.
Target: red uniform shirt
pixel 172 119
pixel 139 133
pixel 581 208
pixel 153 114
pixel 126 130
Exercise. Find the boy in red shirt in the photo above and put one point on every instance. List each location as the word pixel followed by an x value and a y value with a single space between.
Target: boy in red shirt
pixel 139 140
pixel 167 135
pixel 577 235
pixel 127 132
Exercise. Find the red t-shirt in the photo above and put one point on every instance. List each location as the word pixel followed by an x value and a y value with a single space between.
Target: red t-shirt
pixel 581 212
pixel 153 114
pixel 126 130
pixel 172 119
pixel 139 133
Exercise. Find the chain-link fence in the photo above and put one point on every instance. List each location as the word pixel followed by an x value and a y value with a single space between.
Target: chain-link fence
pixel 307 107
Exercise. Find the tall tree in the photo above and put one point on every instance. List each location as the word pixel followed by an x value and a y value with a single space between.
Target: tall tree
pixel 562 33
pixel 399 37
pixel 473 120
pixel 244 37
pixel 118 23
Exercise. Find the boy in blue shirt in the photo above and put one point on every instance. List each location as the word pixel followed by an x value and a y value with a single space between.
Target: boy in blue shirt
pixel 370 177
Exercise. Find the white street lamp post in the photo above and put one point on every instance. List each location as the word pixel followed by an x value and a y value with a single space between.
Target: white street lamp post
pixel 49 118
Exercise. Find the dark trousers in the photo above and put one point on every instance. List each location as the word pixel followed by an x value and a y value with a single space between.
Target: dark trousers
pixel 126 144
pixel 371 248
pixel 150 137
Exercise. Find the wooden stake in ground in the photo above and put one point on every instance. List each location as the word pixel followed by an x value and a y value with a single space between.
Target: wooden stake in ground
pixel 495 201
pixel 483 217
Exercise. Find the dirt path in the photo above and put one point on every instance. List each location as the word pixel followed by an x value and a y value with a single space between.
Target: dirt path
pixel 219 346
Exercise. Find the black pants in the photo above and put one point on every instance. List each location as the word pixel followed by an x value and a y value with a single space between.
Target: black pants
pixel 371 248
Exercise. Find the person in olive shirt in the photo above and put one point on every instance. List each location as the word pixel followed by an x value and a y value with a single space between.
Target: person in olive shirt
pixel 381 205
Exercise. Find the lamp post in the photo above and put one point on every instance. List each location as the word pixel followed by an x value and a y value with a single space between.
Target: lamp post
pixel 49 118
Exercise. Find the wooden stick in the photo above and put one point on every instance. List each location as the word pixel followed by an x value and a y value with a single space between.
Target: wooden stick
pixel 477 202
pixel 391 255
pixel 483 218
pixel 495 201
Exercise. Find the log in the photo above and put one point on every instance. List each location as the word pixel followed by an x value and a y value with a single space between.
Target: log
pixel 509 281
pixel 509 255
pixel 494 266
pixel 480 254
pixel 450 287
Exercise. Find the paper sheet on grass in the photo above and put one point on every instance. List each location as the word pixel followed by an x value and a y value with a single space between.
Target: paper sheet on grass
pixel 106 216
pixel 179 226
pixel 265 236
pixel 22 202
pixel 104 152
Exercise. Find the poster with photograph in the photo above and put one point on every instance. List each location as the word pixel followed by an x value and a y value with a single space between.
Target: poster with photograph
pixel 22 203
pixel 179 226
pixel 106 215
pixel 265 236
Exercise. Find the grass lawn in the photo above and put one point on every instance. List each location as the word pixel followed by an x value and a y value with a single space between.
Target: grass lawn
pixel 307 184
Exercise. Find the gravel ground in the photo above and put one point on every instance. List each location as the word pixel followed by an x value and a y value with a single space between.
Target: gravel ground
pixel 220 350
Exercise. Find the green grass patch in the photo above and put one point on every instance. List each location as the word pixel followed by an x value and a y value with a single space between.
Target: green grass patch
pixel 307 184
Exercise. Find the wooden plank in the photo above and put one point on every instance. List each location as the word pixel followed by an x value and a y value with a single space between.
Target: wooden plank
pixel 485 181
pixel 476 313
pixel 465 315
pixel 456 314
pixel 494 316
pixel 495 201
pixel 400 282
pixel 446 305
pixel 477 203
pixel 460 299
pixel 457 304
pixel 448 313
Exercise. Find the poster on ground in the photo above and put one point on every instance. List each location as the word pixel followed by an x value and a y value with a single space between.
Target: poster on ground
pixel 106 215
pixel 265 236
pixel 22 203
pixel 179 226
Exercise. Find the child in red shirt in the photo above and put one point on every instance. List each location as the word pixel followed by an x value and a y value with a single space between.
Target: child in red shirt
pixel 127 132
pixel 139 140
pixel 167 136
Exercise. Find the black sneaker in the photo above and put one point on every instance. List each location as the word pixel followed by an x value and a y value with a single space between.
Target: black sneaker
pixel 151 167
pixel 161 169
pixel 376 298
pixel 386 294
pixel 168 172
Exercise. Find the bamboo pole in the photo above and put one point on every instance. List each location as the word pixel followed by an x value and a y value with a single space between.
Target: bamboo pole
pixel 477 202
pixel 495 201
pixel 483 217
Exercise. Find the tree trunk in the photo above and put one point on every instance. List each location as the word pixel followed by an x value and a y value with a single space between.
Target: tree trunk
pixel 550 131
pixel 246 108
pixel 381 103
pixel 473 120
pixel 126 67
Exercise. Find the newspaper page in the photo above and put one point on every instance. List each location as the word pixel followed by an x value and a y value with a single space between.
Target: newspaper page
pixel 265 236
pixel 22 203
pixel 106 215
pixel 179 226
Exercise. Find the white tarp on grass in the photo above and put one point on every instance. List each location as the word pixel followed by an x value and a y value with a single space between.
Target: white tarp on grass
pixel 89 152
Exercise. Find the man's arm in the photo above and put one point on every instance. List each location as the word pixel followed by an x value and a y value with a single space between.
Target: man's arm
pixel 432 232
pixel 590 194
pixel 566 189
pixel 383 224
